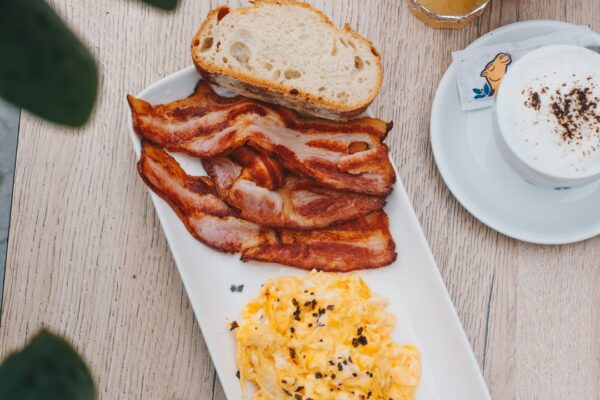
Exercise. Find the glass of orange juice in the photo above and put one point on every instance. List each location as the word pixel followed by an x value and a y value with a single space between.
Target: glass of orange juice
pixel 452 14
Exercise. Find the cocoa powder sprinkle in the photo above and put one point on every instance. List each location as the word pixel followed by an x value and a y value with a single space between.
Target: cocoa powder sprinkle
pixel 575 110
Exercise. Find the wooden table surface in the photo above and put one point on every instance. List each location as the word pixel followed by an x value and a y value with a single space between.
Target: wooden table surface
pixel 87 257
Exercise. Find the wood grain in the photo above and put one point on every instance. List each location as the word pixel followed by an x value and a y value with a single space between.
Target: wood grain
pixel 87 258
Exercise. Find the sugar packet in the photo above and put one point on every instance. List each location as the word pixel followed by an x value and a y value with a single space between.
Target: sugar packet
pixel 479 70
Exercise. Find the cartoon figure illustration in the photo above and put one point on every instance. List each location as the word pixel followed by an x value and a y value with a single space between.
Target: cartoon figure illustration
pixel 495 70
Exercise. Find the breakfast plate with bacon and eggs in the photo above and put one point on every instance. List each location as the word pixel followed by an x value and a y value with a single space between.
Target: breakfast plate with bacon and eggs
pixel 286 223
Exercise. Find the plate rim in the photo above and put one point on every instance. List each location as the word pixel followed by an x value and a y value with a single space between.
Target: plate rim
pixel 457 192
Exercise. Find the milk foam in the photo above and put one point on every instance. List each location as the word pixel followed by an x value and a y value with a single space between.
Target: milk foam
pixel 548 109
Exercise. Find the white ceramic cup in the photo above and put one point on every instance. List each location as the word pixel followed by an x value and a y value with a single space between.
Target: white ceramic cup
pixel 547 117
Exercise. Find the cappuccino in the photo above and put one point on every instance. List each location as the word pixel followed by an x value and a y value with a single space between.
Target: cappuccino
pixel 548 112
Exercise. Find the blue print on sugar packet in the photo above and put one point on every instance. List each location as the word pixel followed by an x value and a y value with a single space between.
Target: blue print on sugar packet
pixel 486 91
pixel 561 188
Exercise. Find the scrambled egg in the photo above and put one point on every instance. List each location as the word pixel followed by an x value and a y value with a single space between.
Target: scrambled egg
pixel 323 336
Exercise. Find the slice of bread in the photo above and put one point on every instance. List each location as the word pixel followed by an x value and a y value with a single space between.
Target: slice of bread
pixel 289 53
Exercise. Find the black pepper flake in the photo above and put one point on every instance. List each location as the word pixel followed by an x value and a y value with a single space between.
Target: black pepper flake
pixel 286 391
pixel 312 304
pixel 233 325
pixel 292 329
pixel 295 302
pixel 297 396
pixel 340 367
pixel 330 307
pixel 296 313
pixel 310 325
pixel 292 353
pixel 237 374
pixel 299 389
pixel 354 374
pixel 284 381
pixel 318 375
pixel 361 339
pixel 333 376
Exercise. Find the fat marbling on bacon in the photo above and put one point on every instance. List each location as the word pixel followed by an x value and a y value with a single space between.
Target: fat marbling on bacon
pixel 264 193
pixel 364 242
pixel 347 156
pixel 197 203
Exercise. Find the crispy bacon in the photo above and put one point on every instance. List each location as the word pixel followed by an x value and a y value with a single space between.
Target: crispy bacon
pixel 255 185
pixel 342 155
pixel 195 200
pixel 362 243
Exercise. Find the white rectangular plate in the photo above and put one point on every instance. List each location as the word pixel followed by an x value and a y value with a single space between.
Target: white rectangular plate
pixel 412 284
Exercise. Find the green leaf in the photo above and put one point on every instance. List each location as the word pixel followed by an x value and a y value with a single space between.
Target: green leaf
pixel 164 4
pixel 47 369
pixel 44 68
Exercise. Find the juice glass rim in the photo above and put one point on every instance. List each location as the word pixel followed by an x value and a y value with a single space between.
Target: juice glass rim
pixel 450 18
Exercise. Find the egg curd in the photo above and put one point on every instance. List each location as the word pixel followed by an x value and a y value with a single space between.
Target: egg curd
pixel 323 336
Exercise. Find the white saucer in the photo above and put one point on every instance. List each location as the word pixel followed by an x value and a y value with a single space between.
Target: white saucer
pixel 477 175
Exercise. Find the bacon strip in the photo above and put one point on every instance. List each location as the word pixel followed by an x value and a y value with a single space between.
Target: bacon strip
pixel 255 185
pixel 195 200
pixel 362 243
pixel 341 155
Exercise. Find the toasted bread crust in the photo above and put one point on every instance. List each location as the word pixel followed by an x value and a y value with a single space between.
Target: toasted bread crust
pixel 272 92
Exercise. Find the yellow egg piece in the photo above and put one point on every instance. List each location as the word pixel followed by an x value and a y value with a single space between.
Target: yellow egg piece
pixel 323 336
